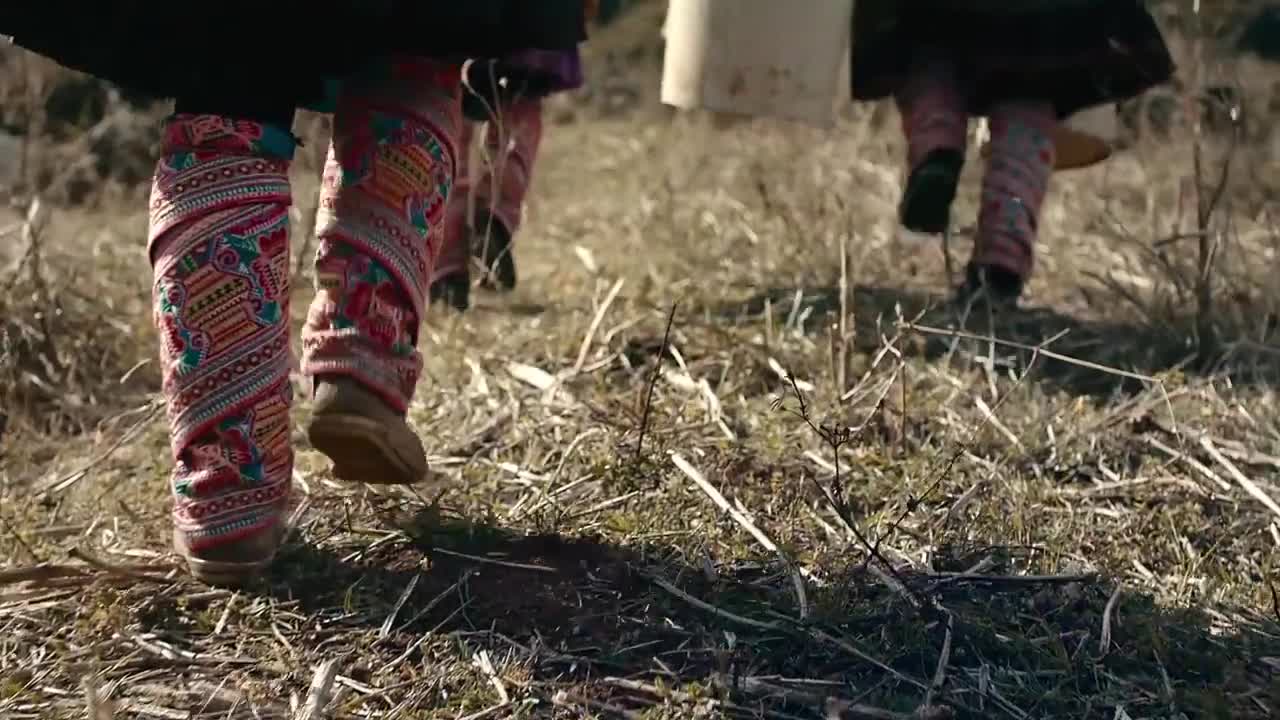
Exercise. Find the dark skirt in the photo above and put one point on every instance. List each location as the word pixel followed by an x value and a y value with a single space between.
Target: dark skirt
pixel 1073 53
pixel 238 48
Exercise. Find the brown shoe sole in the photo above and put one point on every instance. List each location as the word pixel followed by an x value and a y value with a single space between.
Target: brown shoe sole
pixel 227 573
pixel 221 573
pixel 362 451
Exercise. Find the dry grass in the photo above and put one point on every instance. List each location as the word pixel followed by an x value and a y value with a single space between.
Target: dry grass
pixel 918 521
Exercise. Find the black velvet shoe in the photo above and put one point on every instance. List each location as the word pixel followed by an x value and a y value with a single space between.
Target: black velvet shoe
pixel 931 188
pixel 1001 287
pixel 453 290
pixel 491 245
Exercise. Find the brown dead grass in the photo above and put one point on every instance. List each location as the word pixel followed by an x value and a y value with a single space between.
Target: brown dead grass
pixel 1058 524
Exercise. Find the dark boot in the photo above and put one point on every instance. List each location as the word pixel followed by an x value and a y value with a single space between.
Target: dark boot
pixel 931 188
pixel 454 290
pixel 1001 287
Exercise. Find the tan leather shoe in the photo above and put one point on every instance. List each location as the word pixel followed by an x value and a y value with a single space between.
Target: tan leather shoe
pixel 233 564
pixel 367 441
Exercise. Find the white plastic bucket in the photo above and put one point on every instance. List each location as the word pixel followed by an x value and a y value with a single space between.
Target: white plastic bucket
pixel 1083 139
pixel 757 57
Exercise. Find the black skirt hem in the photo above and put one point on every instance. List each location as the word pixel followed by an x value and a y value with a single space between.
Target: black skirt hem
pixel 1075 54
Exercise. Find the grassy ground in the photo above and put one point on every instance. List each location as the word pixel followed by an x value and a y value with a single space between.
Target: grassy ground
pixel 636 512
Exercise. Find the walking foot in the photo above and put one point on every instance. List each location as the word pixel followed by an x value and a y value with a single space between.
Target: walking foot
pixel 367 441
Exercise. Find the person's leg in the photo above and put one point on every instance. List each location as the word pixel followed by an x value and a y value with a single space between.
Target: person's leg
pixel 935 124
pixel 511 147
pixel 219 248
pixel 386 185
pixel 1013 189
pixel 451 281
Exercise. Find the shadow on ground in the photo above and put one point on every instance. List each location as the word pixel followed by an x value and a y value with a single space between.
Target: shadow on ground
pixel 1130 347
pixel 622 630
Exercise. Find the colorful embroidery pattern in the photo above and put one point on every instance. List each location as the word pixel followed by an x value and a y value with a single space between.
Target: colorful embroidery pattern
pixel 934 116
pixel 386 183
pixel 1014 186
pixel 220 251
pixel 932 107
pixel 510 148
pixel 219 245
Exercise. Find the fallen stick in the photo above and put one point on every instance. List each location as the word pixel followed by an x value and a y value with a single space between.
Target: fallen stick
pixel 321 687
pixel 739 517
pixel 1249 486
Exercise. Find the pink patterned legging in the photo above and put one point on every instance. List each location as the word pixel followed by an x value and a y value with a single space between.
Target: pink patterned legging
pixel 219 245
pixel 511 142
pixel 934 117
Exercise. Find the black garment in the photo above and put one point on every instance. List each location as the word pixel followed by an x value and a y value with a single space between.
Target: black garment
pixel 492 82
pixel 237 47
pixel 1073 53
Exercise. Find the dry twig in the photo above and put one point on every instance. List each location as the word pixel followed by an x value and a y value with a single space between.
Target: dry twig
pixel 1250 487
pixel 321 691
pixel 745 522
